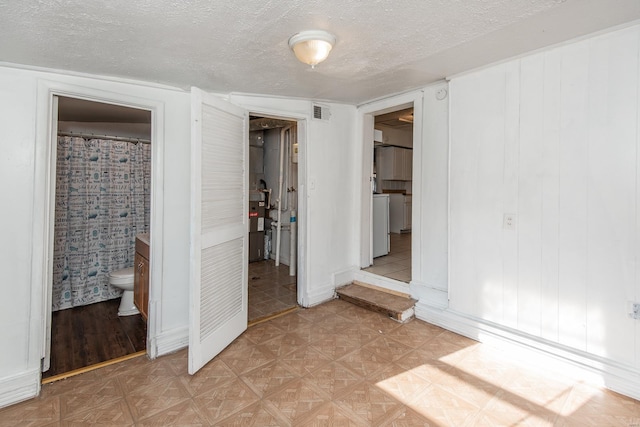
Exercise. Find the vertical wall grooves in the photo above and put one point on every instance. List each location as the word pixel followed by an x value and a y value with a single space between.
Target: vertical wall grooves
pixel 555 134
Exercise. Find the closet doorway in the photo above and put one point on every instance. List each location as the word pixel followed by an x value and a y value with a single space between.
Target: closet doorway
pixel 102 199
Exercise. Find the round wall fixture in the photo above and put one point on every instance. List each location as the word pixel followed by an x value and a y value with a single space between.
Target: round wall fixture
pixel 441 94
pixel 312 46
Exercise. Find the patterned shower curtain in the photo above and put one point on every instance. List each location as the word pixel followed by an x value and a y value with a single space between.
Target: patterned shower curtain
pixel 103 190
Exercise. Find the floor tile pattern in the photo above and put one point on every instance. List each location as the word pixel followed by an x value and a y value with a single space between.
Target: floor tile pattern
pixel 397 263
pixel 271 289
pixel 331 365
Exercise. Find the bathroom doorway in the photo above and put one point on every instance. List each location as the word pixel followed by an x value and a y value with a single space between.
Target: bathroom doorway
pixel 273 206
pixel 102 201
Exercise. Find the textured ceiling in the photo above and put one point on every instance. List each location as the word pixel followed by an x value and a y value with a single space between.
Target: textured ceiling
pixel 384 46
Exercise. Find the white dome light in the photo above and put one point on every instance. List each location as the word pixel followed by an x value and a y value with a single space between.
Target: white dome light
pixel 312 47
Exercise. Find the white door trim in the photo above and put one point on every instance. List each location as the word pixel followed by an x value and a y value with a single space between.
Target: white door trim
pixel 366 112
pixel 303 292
pixel 44 215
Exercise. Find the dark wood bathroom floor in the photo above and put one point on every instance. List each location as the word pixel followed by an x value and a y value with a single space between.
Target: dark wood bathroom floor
pixel 84 336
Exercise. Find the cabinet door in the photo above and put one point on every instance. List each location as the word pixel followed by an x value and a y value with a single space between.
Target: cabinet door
pixel 394 163
pixel 407 215
pixel 137 281
pixel 144 276
pixel 407 164
pixel 398 163
pixel 141 284
pixel 383 164
pixel 396 212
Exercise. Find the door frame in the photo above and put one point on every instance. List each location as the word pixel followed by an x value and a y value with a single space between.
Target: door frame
pixel 365 121
pixel 302 121
pixel 44 208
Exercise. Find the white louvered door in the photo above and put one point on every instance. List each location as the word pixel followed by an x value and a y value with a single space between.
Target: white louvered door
pixel 219 228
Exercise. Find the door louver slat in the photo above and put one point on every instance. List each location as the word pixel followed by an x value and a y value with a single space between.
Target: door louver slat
pixel 220 267
pixel 222 169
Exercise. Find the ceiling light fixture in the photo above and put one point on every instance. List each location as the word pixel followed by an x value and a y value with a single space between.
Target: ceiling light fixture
pixel 313 46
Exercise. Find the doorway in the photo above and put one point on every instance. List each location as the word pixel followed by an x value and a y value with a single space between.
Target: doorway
pixel 392 166
pixel 102 193
pixel 273 206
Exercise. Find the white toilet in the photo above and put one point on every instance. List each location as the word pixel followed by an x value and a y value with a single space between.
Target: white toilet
pixel 123 279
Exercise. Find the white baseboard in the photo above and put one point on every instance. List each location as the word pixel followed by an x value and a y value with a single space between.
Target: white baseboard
pixel 344 277
pixel 432 295
pixel 19 387
pixel 169 341
pixel 323 294
pixel 616 376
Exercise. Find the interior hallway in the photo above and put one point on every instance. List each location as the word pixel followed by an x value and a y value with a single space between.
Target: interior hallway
pixel 334 364
pixel 397 263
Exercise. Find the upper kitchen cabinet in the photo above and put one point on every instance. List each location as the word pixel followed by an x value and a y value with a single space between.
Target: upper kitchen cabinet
pixel 394 163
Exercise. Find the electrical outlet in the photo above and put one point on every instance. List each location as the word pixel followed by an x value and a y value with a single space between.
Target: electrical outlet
pixel 509 221
pixel 634 311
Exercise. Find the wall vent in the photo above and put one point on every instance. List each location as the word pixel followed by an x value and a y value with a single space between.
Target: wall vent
pixel 321 112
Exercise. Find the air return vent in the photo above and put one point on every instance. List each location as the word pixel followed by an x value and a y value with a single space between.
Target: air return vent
pixel 321 112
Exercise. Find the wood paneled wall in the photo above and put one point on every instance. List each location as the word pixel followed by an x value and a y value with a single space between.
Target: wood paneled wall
pixel 553 139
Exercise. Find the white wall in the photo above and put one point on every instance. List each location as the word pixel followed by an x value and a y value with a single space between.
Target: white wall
pixel 430 198
pixel 20 188
pixel 330 198
pixel 553 139
pixel 17 126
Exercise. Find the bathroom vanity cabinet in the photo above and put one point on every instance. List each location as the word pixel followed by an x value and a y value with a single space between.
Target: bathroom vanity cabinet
pixel 141 276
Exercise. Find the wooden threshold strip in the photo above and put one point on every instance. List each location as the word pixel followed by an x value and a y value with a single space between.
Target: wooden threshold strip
pixel 90 368
pixel 272 316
